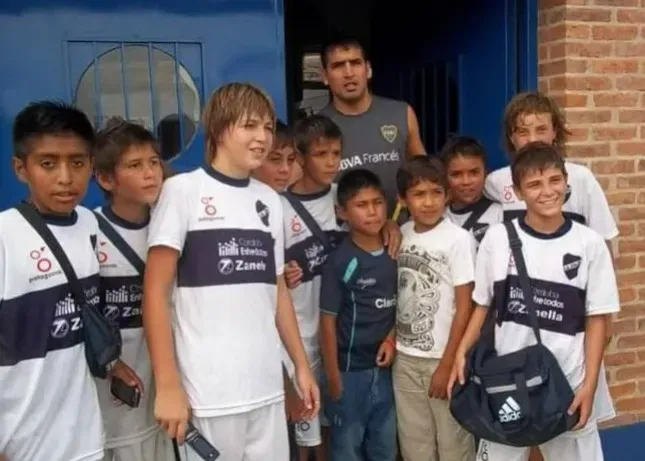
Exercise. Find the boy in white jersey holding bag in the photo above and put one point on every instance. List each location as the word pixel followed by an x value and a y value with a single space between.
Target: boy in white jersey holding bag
pixel 311 230
pixel 572 276
pixel 129 170
pixel 49 408
pixel 216 243
pixel 534 116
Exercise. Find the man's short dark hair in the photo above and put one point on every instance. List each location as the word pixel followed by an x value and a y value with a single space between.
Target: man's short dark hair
pixel 419 169
pixel 466 146
pixel 344 42
pixel 312 128
pixel 536 156
pixel 353 181
pixel 44 118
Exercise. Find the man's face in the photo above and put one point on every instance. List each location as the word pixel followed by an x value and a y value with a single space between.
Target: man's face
pixel 347 73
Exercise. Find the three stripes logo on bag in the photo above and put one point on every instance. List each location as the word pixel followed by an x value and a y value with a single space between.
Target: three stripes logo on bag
pixel 510 410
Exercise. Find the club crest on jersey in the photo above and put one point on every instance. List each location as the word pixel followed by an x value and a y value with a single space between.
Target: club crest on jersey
pixel 389 132
pixel 263 212
pixel 571 265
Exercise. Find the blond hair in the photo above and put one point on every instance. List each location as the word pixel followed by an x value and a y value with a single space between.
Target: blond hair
pixel 227 106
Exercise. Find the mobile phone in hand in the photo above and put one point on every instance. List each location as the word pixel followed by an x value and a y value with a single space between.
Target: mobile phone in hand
pixel 200 445
pixel 126 394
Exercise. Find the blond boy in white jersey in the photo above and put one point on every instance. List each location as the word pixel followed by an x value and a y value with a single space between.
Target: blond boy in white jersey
pixel 216 244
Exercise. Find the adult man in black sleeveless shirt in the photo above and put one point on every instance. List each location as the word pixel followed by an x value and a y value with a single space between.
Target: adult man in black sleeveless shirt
pixel 378 133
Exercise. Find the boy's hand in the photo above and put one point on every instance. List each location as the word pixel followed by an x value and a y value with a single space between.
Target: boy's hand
pixel 456 374
pixel 127 375
pixel 293 403
pixel 392 238
pixel 386 353
pixel 336 387
pixel 292 274
pixel 439 383
pixel 172 411
pixel 583 401
pixel 310 392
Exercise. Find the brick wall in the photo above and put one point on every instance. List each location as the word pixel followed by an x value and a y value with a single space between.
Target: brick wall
pixel 592 60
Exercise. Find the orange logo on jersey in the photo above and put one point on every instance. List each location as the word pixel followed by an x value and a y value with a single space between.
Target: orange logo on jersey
pixel 42 263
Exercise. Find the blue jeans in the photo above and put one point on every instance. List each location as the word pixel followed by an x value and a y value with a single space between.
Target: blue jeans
pixel 363 421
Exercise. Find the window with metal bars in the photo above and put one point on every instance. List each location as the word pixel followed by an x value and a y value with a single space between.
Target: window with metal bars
pixel 146 83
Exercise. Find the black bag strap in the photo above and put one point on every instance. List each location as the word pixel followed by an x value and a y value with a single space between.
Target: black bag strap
pixel 119 242
pixel 478 210
pixel 33 217
pixel 309 220
pixel 523 275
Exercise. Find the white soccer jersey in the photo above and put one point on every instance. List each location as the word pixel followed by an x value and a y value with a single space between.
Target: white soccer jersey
pixel 229 233
pixel 585 201
pixel 302 246
pixel 493 214
pixel 572 277
pixel 122 292
pixel 49 408
pixel 431 265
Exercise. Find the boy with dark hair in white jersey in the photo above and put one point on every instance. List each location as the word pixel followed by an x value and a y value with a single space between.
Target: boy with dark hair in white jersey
pixel 48 403
pixel 276 172
pixel 573 280
pixel 531 117
pixel 216 244
pixel 128 168
pixel 465 161
pixel 311 230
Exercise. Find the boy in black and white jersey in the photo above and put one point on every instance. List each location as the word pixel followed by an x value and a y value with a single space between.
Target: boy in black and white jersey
pixel 276 172
pixel 530 117
pixel 216 242
pixel 319 142
pixel 129 170
pixel 574 287
pixel 465 161
pixel 48 404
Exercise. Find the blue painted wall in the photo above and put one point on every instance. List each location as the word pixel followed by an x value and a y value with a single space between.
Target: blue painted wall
pixel 240 40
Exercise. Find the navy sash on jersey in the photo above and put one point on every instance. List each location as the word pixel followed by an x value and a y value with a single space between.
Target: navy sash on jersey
pixel 102 337
pixel 309 220
pixel 119 242
pixel 478 211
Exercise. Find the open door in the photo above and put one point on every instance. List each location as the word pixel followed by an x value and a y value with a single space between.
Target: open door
pixel 457 63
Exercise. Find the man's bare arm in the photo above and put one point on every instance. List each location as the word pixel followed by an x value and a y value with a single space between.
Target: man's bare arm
pixel 414 144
